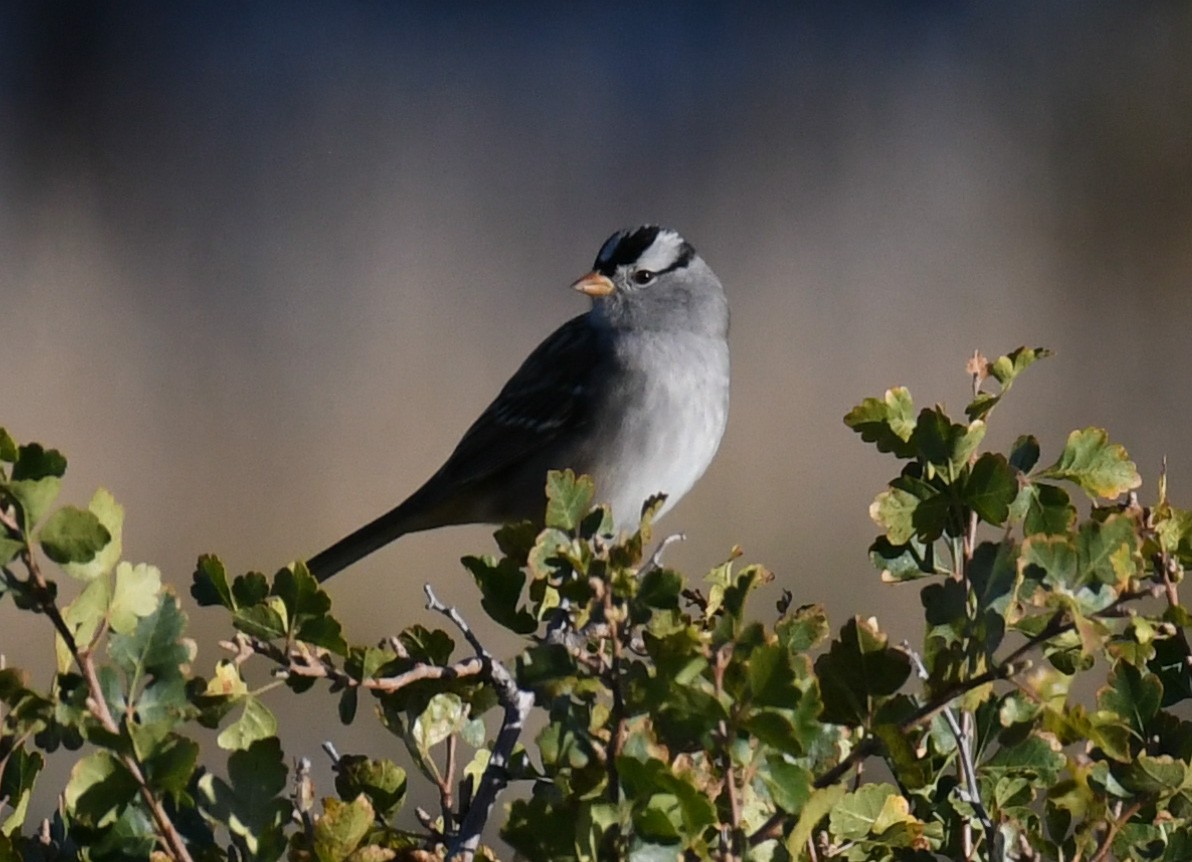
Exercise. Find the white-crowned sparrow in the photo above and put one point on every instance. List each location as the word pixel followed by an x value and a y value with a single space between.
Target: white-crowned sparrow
pixel 633 393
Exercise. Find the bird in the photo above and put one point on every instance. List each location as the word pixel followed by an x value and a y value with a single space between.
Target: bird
pixel 634 393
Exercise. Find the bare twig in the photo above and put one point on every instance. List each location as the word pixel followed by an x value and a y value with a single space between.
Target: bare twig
pixel 174 844
pixel 655 559
pixel 517 704
pixel 730 833
pixel 967 767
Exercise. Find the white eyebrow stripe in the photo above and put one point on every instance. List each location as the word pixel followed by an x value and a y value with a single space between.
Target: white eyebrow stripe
pixel 662 253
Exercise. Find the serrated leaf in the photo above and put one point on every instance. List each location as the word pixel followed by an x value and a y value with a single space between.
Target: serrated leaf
pixel 854 817
pixel 805 627
pixel 17 777
pixel 444 715
pixel 171 765
pixel 990 488
pixel 887 423
pixel 35 481
pixel 210 584
pixel 771 677
pixel 1006 368
pixel 1134 695
pixel 1049 510
pixel 858 671
pixel 893 510
pixel 154 645
pixel 111 515
pixel 136 595
pixel 72 535
pixel 1100 468
pixel 943 443
pixel 84 616
pixel 250 801
pixel 1108 551
pixel 823 801
pixel 898 563
pixel 98 790
pixel 501 583
pixel 256 722
pixel 382 781
pixel 568 499
pixel 341 828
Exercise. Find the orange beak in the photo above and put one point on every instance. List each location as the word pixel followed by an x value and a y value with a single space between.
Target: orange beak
pixel 594 284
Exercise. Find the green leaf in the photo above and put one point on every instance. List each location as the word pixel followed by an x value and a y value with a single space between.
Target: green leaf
pixel 1055 556
pixel 153 647
pixel 771 676
pixel 1134 695
pixel 1024 453
pixel 821 804
pixel 382 781
pixel 445 715
pixel 568 499
pixel 111 515
pixel 888 423
pixel 856 814
pixel 990 488
pixel 790 784
pixel 250 801
pixel 1108 551
pixel 944 444
pixel 171 765
pixel 501 584
pixel 72 535
pixel 35 480
pixel 210 584
pixel 858 671
pixel 898 563
pixel 19 773
pixel 993 574
pixel 36 462
pixel 1006 368
pixel 8 447
pixel 341 828
pixel 893 510
pixel 84 616
pixel 98 790
pixel 660 588
pixel 255 723
pixel 136 596
pixel 1148 775
pixel 1100 468
pixel 805 627
pixel 1049 510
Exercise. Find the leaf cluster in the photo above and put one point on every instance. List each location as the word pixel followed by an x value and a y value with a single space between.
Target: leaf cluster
pixel 1039 717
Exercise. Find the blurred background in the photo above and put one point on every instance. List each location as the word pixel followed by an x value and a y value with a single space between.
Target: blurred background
pixel 261 265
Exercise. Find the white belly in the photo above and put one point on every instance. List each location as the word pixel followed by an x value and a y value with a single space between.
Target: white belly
pixel 670 430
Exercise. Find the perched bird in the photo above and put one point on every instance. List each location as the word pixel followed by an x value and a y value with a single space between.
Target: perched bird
pixel 634 393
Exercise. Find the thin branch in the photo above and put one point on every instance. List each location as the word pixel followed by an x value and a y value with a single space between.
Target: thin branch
pixel 98 706
pixel 517 705
pixel 300 661
pixel 1008 667
pixel 967 766
pixel 1115 826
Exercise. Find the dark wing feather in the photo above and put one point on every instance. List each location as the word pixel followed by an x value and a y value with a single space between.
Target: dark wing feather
pixel 547 397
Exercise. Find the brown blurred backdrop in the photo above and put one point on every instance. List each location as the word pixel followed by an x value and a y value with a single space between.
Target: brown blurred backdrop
pixel 260 265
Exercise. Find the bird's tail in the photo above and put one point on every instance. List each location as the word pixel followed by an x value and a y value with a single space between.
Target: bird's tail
pixel 351 548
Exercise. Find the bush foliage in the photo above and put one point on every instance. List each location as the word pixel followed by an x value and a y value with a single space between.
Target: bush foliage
pixel 1036 719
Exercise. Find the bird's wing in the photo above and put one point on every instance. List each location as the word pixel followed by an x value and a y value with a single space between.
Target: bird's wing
pixel 549 396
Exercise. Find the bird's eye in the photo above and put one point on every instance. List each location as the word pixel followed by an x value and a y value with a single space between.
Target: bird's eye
pixel 643 276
